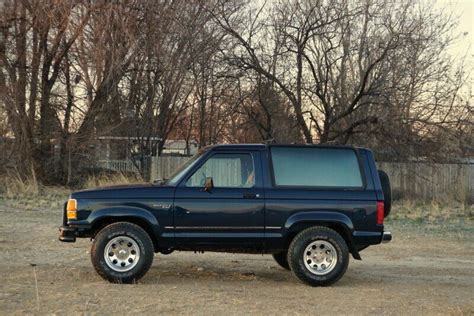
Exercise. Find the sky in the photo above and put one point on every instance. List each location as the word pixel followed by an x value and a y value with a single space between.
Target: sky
pixel 465 10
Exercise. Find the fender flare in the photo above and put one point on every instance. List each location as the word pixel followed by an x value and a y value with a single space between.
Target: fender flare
pixel 325 218
pixel 117 212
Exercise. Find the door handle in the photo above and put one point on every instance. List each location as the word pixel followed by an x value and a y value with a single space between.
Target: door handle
pixel 251 196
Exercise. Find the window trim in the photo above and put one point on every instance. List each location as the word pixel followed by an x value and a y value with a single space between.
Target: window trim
pixel 205 159
pixel 316 187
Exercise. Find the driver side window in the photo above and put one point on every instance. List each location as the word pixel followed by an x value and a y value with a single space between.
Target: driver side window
pixel 226 170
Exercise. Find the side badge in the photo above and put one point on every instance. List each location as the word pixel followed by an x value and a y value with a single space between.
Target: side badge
pixel 162 206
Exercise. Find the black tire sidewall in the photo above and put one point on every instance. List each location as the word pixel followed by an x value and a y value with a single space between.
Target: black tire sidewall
pixel 139 236
pixel 296 256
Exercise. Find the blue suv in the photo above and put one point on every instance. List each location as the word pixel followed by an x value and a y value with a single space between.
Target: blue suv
pixel 309 206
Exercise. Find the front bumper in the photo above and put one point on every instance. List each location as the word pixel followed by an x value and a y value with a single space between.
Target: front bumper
pixel 67 234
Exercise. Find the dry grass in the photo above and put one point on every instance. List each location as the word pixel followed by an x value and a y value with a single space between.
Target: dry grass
pixel 101 181
pixel 14 186
pixel 431 211
pixel 29 194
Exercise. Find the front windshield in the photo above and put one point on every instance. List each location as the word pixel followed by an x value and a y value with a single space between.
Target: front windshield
pixel 183 169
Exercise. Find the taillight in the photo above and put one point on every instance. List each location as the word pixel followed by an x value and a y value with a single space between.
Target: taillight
pixel 380 212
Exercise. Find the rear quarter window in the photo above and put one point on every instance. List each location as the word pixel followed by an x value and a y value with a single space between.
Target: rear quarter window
pixel 316 167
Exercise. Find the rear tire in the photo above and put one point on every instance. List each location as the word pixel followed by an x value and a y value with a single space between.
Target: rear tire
pixel 122 252
pixel 318 256
pixel 282 259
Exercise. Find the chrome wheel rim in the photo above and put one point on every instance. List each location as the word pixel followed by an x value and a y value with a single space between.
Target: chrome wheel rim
pixel 121 254
pixel 320 257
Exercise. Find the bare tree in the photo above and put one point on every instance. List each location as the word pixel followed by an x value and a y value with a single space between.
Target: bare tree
pixel 334 60
pixel 371 73
pixel 51 28
pixel 13 77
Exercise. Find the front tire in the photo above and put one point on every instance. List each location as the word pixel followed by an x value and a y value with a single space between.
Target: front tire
pixel 122 252
pixel 318 256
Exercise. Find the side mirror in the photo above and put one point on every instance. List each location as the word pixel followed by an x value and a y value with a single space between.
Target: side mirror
pixel 208 184
pixel 158 181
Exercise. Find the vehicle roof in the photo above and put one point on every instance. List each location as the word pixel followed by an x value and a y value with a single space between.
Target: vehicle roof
pixel 264 146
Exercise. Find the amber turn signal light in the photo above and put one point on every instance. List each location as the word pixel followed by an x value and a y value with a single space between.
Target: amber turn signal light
pixel 71 209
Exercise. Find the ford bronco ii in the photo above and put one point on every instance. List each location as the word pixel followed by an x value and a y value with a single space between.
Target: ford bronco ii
pixel 309 206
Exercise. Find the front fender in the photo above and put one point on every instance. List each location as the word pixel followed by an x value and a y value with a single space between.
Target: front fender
pixel 118 212
pixel 337 220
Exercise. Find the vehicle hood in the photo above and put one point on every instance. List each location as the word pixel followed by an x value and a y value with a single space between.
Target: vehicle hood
pixel 135 191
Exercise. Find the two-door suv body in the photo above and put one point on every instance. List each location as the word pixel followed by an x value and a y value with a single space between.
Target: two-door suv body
pixel 309 206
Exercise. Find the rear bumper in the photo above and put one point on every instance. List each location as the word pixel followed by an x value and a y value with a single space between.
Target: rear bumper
pixel 367 238
pixel 386 237
pixel 67 234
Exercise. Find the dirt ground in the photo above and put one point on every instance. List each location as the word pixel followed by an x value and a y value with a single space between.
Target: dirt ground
pixel 427 269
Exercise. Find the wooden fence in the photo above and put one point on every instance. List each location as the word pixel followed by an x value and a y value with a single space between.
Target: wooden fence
pixel 431 180
pixel 118 165
pixel 408 179
pixel 162 167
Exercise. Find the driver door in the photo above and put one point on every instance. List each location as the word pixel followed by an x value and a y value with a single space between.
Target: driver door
pixel 232 212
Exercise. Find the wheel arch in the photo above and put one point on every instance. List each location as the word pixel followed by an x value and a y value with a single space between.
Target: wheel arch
pixel 339 222
pixel 142 218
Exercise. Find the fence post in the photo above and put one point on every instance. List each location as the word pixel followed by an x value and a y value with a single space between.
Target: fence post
pixel 153 170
